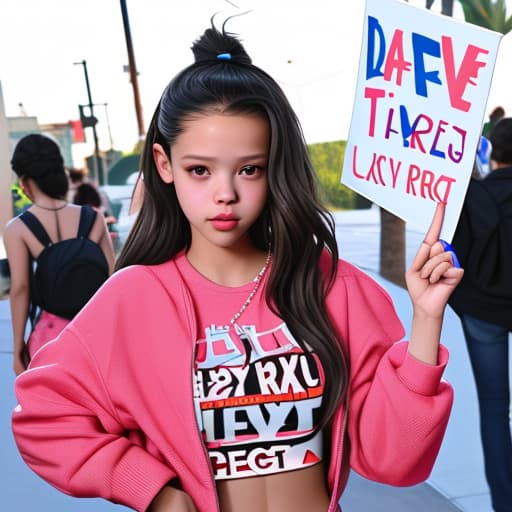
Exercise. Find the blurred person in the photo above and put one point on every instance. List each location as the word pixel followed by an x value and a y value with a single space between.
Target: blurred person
pixel 76 178
pixel 20 202
pixel 483 301
pixel 496 114
pixel 482 165
pixel 87 194
pixel 38 163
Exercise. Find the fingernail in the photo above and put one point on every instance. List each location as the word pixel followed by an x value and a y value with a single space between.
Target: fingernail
pixel 448 248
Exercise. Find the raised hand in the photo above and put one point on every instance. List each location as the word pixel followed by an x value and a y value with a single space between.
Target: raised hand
pixel 433 276
pixel 430 280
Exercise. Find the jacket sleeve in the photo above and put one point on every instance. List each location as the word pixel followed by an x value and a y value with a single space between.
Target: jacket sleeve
pixel 68 432
pixel 398 406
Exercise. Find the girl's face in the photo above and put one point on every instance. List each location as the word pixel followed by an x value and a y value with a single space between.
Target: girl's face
pixel 219 169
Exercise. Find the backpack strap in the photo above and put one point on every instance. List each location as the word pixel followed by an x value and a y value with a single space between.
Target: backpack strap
pixel 87 218
pixel 32 223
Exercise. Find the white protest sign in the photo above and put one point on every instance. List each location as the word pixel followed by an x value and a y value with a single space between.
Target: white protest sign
pixel 420 101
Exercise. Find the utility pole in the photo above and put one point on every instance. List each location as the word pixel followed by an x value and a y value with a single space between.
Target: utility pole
pixel 133 70
pixel 91 122
pixel 108 126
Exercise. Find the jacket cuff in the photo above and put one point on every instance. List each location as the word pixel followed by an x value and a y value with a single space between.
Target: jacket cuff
pixel 138 478
pixel 419 377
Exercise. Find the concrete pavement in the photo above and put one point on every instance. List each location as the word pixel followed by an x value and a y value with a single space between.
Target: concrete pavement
pixel 458 474
pixel 456 483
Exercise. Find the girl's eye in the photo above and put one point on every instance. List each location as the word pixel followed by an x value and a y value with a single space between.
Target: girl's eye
pixel 198 171
pixel 251 170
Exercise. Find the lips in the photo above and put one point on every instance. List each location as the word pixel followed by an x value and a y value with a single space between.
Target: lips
pixel 224 222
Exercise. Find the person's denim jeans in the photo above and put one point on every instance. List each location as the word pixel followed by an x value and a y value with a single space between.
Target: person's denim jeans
pixel 488 352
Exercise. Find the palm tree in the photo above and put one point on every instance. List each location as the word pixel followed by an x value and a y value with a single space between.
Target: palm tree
pixel 488 14
pixel 392 247
pixel 446 6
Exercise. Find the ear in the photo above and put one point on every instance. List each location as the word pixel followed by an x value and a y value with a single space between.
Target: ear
pixel 26 187
pixel 162 163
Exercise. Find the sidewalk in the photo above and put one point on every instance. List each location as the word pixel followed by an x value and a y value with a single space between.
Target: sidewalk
pixel 458 474
pixel 457 482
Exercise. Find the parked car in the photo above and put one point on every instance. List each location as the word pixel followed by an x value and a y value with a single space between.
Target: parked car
pixel 117 202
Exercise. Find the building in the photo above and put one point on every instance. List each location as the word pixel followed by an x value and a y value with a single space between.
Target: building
pixel 62 133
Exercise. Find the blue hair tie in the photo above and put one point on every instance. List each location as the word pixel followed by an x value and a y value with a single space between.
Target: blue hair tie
pixel 224 56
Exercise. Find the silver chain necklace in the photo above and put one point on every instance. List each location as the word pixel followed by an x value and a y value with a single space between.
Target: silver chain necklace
pixel 51 209
pixel 257 281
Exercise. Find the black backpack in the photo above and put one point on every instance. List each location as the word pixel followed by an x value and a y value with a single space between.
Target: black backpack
pixel 68 272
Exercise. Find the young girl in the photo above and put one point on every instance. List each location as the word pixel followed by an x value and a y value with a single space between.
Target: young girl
pixel 234 363
pixel 38 162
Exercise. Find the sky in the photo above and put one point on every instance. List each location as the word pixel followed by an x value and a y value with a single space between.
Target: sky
pixel 310 47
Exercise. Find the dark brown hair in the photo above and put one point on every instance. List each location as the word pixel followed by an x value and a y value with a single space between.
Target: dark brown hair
pixel 87 194
pixel 501 141
pixel 295 225
pixel 39 158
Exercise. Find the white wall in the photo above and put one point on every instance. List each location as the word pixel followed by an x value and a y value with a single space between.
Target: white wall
pixel 5 171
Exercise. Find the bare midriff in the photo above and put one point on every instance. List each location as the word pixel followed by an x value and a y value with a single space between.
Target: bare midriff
pixel 301 490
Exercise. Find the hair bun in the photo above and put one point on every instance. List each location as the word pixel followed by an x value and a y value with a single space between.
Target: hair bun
pixel 214 43
pixel 36 155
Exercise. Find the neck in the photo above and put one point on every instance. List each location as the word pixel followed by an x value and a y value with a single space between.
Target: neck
pixel 52 207
pixel 230 268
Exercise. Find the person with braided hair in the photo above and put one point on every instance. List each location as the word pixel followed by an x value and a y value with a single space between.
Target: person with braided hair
pixel 38 163
pixel 233 362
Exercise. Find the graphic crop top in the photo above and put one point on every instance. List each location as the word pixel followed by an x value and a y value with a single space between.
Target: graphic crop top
pixel 258 393
pixel 257 407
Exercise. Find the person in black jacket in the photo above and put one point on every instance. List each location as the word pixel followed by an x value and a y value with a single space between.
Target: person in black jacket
pixel 483 301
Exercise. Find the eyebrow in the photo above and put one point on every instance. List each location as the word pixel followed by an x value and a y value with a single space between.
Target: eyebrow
pixel 212 158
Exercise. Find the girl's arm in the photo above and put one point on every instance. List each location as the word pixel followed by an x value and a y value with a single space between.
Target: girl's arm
pixel 170 499
pixel 398 403
pixel 19 295
pixel 69 432
pixel 431 279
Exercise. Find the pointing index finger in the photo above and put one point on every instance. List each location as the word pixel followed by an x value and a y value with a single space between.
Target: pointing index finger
pixel 434 231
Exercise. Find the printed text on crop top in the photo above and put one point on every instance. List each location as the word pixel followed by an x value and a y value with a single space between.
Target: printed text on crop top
pixel 258 393
pixel 258 408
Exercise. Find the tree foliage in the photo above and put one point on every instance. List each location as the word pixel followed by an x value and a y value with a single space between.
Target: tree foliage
pixel 491 14
pixel 327 159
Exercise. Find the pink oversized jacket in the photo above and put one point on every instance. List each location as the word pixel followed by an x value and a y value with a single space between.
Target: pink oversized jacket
pixel 106 409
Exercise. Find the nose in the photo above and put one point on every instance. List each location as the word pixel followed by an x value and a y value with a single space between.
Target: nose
pixel 225 190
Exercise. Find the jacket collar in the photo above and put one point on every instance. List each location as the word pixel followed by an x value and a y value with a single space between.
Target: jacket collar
pixel 498 174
